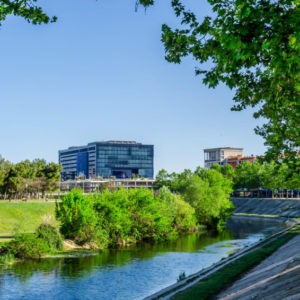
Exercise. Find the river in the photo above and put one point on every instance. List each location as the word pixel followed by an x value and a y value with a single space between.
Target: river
pixel 131 273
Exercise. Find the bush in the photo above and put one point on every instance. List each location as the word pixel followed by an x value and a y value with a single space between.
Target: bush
pixel 78 217
pixel 6 258
pixel 45 240
pixel 119 217
pixel 27 246
pixel 51 236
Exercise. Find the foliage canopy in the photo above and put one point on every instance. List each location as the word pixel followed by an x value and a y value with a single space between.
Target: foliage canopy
pixel 252 46
pixel 27 9
pixel 207 191
pixel 28 178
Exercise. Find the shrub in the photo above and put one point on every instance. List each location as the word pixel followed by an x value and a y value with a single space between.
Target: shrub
pixel 50 235
pixel 6 258
pixel 27 246
pixel 119 217
pixel 77 216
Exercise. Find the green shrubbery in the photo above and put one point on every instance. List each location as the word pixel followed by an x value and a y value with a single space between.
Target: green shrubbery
pixel 27 246
pixel 119 217
pixel 207 191
pixel 124 216
pixel 6 258
pixel 51 236
pixel 45 240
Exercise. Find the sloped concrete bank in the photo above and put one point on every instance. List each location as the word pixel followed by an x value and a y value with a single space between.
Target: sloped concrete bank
pixel 286 208
pixel 282 209
pixel 172 290
pixel 277 277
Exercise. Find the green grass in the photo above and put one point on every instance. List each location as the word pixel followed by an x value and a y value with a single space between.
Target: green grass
pixel 211 286
pixel 23 217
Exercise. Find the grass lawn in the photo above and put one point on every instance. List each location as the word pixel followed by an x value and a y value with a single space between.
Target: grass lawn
pixel 19 216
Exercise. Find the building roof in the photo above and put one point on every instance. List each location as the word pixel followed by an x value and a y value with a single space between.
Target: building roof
pixel 220 148
pixel 112 142
pixel 117 142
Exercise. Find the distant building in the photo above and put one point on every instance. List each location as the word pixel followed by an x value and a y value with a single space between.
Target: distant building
pixel 219 155
pixel 226 156
pixel 235 161
pixel 119 159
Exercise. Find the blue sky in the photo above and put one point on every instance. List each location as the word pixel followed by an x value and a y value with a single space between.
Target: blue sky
pixel 99 74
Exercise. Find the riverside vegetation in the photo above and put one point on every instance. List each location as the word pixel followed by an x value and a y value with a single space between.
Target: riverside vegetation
pixel 182 203
pixel 120 217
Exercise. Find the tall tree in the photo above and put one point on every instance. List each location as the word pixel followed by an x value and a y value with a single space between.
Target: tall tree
pixel 208 192
pixel 253 46
pixel 52 176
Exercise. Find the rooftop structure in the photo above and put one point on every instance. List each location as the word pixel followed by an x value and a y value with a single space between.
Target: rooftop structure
pixel 226 156
pixel 219 155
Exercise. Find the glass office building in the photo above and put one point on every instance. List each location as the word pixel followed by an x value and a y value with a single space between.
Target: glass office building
pixel 121 159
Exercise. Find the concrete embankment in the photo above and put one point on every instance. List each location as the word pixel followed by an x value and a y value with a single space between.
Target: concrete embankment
pixel 277 277
pixel 286 261
pixel 287 208
pixel 191 280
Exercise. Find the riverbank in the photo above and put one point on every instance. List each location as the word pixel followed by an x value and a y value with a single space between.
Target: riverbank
pixel 277 277
pixel 129 273
pixel 287 208
pixel 210 281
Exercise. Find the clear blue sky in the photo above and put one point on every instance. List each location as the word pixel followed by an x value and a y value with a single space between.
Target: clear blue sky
pixel 99 74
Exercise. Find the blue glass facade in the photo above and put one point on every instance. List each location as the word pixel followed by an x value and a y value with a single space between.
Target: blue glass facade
pixel 82 163
pixel 120 159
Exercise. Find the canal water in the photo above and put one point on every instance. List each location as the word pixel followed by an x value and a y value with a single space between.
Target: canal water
pixel 131 273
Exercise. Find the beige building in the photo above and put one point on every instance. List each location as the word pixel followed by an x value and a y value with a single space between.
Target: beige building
pixel 219 155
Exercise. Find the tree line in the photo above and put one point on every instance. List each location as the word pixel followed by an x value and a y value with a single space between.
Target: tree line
pixel 28 179
pixel 258 175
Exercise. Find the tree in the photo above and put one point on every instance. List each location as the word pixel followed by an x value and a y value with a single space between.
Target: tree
pixel 250 175
pixel 28 177
pixel 208 193
pixel 26 9
pixel 4 168
pixel 162 179
pixel 52 176
pixel 253 46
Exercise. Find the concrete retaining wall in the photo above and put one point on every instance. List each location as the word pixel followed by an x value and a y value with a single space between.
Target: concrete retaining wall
pixel 278 207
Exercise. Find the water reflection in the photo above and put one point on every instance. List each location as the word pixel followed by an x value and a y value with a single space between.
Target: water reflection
pixel 130 273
